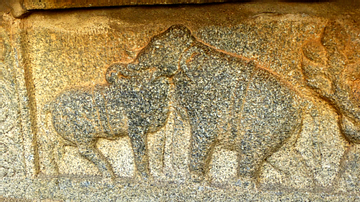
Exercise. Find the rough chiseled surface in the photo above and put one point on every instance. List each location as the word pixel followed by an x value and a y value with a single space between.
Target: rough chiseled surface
pixel 153 104
pixel 11 162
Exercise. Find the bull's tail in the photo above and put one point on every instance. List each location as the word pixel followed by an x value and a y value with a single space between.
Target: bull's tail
pixel 46 110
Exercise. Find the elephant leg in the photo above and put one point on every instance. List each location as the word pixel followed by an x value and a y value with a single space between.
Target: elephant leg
pixel 138 139
pixel 202 145
pixel 90 152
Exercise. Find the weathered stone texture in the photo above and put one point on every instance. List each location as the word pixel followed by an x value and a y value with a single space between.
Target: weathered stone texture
pixel 12 162
pixel 219 102
pixel 51 4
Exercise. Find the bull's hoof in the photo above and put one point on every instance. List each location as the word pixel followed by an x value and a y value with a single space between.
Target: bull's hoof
pixel 54 182
pixel 108 175
pixel 246 182
pixel 197 177
pixel 108 182
pixel 143 177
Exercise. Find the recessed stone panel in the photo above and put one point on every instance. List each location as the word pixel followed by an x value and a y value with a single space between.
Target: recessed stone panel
pixel 181 104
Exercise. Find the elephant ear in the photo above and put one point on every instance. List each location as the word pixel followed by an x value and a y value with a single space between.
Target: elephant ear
pixel 164 50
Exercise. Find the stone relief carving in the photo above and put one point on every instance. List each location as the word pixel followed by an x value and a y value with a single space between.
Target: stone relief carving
pixel 225 95
pixel 7 110
pixel 7 122
pixel 10 139
pixel 221 96
pixel 335 77
pixel 134 107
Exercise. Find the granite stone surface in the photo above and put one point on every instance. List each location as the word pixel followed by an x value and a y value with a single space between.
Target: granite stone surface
pixel 224 102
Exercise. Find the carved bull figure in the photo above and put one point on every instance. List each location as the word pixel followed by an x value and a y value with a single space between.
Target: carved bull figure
pixel 135 107
pixel 133 102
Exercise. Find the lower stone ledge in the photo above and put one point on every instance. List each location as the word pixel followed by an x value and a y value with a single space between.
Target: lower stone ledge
pixel 95 189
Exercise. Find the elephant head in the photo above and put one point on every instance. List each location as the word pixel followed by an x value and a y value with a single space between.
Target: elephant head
pixel 335 77
pixel 160 57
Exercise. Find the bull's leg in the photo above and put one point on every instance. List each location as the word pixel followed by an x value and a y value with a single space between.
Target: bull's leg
pixel 253 153
pixel 202 145
pixel 90 152
pixel 270 115
pixel 257 145
pixel 138 139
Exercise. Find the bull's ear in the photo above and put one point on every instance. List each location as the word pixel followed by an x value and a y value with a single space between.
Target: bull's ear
pixel 111 73
pixel 177 33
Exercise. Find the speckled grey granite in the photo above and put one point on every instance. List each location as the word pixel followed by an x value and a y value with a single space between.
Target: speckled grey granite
pixel 209 103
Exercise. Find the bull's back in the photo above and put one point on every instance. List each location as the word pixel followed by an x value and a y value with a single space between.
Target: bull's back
pixel 231 100
pixel 211 83
pixel 270 111
pixel 269 116
pixel 218 89
pixel 73 113
pixel 84 112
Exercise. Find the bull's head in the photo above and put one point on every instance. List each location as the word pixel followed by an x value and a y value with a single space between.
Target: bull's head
pixel 336 78
pixel 160 57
